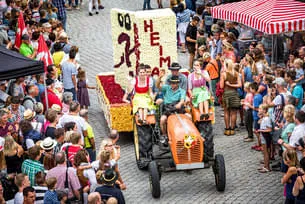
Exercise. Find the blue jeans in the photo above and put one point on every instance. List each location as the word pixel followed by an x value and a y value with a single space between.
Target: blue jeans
pixel 146 4
pixel 75 3
pixel 92 154
pixel 73 92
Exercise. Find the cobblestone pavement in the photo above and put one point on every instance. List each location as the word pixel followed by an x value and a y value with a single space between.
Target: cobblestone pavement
pixel 244 183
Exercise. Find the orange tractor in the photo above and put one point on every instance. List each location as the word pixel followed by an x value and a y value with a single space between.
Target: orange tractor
pixel 190 147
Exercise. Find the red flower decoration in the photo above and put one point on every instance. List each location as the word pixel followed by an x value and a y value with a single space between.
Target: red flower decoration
pixel 113 91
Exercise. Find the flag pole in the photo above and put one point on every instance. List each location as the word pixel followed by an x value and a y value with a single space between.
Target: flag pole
pixel 46 91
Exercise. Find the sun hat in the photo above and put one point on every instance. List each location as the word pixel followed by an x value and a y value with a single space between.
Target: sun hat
pixel 48 143
pixel 109 177
pixel 56 107
pixel 174 66
pixel 206 55
pixel 28 114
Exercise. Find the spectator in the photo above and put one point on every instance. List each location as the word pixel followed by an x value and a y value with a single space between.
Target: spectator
pixel 72 149
pixel 51 194
pixel 6 128
pixel 207 19
pixel 61 173
pixel 248 112
pixel 182 20
pixel 26 48
pixel 291 160
pixel 16 88
pixel 16 109
pixel 89 140
pixel 22 181
pixel 29 135
pixel 298 65
pixel 2 201
pixel 298 132
pixel 51 116
pixel 29 100
pixel 29 115
pixel 13 155
pixel 61 14
pixel 39 113
pixel 146 5
pixel 215 45
pixel 48 145
pixel 59 138
pixel 108 189
pixel 230 28
pixel 29 195
pixel 94 198
pixel 32 165
pixel 73 116
pixel 295 89
pixel 288 127
pixel 82 89
pixel 52 97
pixel 67 99
pixel 299 186
pixel 191 39
pixel 230 81
pixel 40 187
pixel 69 73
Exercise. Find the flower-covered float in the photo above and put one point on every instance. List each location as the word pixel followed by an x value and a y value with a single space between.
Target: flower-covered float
pixel 137 37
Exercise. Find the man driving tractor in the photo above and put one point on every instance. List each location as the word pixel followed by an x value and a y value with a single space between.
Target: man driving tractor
pixel 174 98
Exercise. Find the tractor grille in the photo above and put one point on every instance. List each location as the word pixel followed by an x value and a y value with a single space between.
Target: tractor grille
pixel 183 155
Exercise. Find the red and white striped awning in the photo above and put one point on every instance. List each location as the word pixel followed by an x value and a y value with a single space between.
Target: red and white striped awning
pixel 268 16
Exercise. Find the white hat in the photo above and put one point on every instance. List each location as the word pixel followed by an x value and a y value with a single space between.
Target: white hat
pixel 48 143
pixel 56 107
pixel 28 114
pixel 47 25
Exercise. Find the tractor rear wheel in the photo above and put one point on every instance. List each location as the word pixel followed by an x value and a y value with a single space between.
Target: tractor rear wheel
pixel 142 145
pixel 154 179
pixel 206 131
pixel 220 172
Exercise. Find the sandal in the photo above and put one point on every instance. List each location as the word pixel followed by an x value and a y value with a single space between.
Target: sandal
pixel 259 148
pixel 206 116
pixel 254 147
pixel 264 170
pixel 140 121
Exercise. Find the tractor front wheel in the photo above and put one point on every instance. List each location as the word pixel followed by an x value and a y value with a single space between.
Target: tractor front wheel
pixel 154 179
pixel 220 172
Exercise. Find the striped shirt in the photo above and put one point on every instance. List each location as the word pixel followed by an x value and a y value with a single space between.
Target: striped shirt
pixel 40 191
pixel 31 168
pixel 184 17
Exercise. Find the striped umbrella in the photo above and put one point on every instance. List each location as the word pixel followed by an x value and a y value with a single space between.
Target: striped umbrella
pixel 268 16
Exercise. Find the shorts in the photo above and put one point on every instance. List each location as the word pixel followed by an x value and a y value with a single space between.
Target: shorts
pixel 266 138
pixel 256 125
pixel 191 48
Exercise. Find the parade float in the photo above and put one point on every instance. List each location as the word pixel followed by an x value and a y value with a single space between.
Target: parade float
pixel 137 37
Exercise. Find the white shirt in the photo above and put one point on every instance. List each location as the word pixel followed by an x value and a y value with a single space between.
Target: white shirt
pixel 298 132
pixel 80 123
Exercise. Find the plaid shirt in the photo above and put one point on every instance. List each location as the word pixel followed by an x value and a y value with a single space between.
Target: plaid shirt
pixel 31 167
pixel 60 5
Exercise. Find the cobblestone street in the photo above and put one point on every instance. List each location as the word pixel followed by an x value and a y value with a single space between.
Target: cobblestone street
pixel 244 183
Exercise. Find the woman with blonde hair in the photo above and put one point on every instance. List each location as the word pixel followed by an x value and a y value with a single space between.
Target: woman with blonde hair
pixel 13 155
pixel 249 69
pixel 288 127
pixel 228 51
pixel 230 82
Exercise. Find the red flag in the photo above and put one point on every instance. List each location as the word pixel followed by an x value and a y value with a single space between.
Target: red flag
pixel 43 53
pixel 21 29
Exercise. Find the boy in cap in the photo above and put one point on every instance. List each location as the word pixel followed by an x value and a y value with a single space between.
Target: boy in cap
pixel 26 48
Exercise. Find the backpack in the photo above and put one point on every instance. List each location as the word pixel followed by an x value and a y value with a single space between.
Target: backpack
pixel 67 158
pixel 278 111
pixel 9 188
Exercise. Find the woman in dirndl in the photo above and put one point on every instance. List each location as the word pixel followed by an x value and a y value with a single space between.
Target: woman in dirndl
pixel 230 82
pixel 197 89
pixel 183 20
pixel 142 100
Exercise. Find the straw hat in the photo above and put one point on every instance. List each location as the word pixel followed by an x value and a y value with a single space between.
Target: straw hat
pixel 48 143
pixel 56 107
pixel 28 114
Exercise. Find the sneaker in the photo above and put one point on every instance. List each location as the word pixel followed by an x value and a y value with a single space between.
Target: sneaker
pixel 77 8
pixel 90 14
pixel 100 7
pixel 248 139
pixel 93 7
pixel 96 13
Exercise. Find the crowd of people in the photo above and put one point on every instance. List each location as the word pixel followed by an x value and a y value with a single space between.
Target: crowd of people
pixel 47 145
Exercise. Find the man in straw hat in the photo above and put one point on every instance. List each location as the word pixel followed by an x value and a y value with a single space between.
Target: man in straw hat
pixel 108 190
pixel 174 98
pixel 174 68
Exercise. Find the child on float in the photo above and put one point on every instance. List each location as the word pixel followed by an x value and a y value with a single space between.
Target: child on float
pixel 197 89
pixel 291 160
pixel 265 136
pixel 248 112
